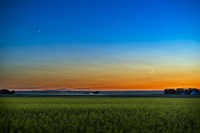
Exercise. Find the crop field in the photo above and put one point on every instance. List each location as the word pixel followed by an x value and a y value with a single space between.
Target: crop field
pixel 99 115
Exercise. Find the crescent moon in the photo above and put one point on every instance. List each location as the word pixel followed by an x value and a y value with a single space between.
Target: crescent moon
pixel 152 72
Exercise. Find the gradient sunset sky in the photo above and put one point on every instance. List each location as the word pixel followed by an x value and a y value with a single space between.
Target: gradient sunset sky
pixel 100 44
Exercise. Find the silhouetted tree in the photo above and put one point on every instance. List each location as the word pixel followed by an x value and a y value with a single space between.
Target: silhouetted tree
pixel 5 91
pixel 181 91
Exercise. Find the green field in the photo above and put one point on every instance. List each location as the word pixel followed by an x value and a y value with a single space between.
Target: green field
pixel 99 114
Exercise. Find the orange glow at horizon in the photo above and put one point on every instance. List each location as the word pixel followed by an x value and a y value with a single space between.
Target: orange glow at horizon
pixel 110 79
pixel 126 67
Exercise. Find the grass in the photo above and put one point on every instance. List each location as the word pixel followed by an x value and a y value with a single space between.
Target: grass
pixel 98 114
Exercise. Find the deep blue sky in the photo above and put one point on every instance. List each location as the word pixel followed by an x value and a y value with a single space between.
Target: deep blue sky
pixel 98 21
pixel 93 43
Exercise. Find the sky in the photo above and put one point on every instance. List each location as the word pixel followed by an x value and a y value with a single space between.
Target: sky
pixel 99 44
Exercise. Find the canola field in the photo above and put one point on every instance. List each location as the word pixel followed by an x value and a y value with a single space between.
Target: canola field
pixel 99 115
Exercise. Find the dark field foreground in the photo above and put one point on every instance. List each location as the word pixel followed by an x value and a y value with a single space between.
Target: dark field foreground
pixel 99 114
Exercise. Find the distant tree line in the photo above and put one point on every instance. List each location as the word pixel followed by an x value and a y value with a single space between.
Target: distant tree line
pixel 183 91
pixel 5 91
